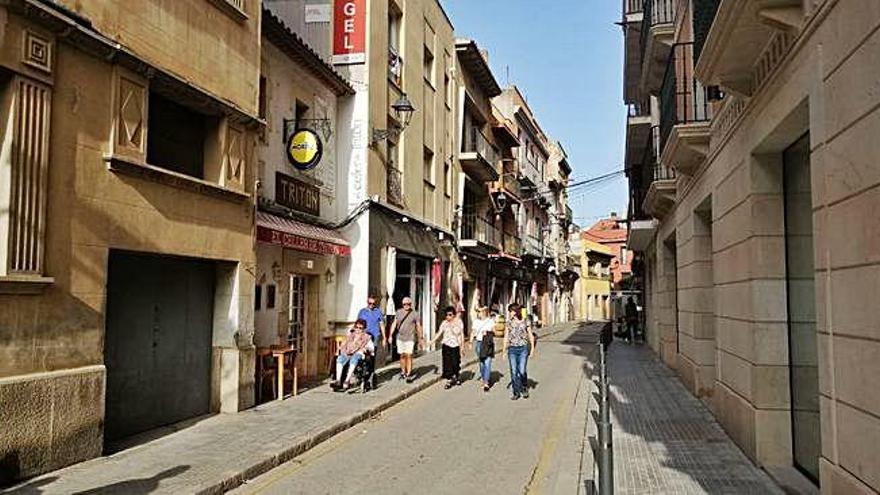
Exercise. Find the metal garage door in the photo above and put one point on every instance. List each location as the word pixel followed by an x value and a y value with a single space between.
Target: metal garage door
pixel 158 341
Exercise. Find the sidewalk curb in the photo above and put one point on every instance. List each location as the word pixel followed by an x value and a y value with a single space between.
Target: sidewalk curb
pixel 288 453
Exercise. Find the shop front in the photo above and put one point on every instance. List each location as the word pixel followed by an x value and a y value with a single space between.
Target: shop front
pixel 410 258
pixel 295 298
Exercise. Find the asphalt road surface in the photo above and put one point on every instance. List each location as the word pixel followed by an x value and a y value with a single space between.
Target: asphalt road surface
pixel 463 440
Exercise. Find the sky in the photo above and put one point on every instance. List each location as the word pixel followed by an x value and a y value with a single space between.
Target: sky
pixel 566 56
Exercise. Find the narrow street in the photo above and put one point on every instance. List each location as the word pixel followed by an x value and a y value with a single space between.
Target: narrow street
pixel 463 440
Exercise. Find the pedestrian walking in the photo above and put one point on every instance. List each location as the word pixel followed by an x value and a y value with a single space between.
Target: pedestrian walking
pixel 483 338
pixel 632 319
pixel 451 335
pixel 375 321
pixel 409 329
pixel 353 350
pixel 519 342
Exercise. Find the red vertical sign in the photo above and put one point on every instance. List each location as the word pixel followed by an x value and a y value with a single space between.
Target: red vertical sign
pixel 349 31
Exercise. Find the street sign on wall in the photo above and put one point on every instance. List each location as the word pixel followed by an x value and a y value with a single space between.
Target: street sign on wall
pixel 349 31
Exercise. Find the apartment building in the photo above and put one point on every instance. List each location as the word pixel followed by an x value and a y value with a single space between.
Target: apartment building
pixel 530 163
pixel 567 262
pixel 487 237
pixel 752 168
pixel 126 232
pixel 399 151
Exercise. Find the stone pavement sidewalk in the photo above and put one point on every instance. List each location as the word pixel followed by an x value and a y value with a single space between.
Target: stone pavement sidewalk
pixel 222 451
pixel 665 439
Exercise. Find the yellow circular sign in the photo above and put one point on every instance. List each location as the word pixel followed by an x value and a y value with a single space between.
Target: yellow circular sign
pixel 304 149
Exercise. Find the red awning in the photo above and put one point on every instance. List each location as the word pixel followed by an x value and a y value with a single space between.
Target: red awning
pixel 293 234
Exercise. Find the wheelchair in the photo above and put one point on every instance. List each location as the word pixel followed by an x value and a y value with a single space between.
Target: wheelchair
pixel 364 376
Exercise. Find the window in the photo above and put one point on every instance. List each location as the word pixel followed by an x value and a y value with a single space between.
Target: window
pixel 177 136
pixel 270 296
pixel 258 297
pixel 429 167
pixel 301 111
pixel 429 67
pixel 395 61
pixel 447 179
pixel 25 113
pixel 447 84
pixel 262 102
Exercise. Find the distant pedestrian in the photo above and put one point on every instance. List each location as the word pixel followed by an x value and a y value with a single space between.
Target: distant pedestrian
pixel 375 321
pixel 483 337
pixel 518 340
pixel 409 329
pixel 632 319
pixel 451 335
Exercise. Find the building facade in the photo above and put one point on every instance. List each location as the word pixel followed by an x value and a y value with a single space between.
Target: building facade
pixel 593 291
pixel 752 175
pixel 402 168
pixel 298 244
pixel 126 238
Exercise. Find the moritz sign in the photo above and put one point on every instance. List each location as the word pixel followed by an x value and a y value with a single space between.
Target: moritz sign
pixel 349 32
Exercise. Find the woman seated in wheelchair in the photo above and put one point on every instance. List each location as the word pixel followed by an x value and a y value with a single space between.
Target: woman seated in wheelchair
pixel 355 349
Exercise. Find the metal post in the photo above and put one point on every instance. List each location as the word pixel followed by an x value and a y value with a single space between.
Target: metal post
pixel 606 452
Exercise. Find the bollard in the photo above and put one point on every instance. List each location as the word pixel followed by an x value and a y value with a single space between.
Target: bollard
pixel 606 451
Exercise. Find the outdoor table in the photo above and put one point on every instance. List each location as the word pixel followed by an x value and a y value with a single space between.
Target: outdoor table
pixel 279 354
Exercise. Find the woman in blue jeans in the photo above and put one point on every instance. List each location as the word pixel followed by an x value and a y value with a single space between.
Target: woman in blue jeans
pixel 518 339
pixel 484 331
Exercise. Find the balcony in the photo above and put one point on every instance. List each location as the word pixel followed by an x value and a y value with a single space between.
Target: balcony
pixel 657 31
pixel 632 65
pixel 739 42
pixel 509 183
pixel 533 246
pixel 512 245
pixel 478 234
pixel 638 126
pixel 394 187
pixel 660 197
pixel 684 114
pixel 478 157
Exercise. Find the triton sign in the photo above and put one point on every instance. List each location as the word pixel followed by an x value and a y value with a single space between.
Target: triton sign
pixel 349 32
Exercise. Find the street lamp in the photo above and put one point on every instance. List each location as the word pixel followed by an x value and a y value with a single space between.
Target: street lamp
pixel 403 112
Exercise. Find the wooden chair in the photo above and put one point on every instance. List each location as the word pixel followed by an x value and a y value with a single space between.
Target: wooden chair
pixel 266 368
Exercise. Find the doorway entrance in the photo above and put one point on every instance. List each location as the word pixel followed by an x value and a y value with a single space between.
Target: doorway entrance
pixel 157 345
pixel 800 280
pixel 412 280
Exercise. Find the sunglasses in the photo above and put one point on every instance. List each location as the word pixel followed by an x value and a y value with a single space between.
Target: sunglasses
pixel 407 304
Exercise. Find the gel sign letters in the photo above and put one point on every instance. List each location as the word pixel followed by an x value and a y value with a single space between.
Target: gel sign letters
pixel 349 31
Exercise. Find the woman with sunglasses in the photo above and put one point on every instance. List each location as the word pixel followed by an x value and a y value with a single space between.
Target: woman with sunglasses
pixel 452 334
pixel 518 339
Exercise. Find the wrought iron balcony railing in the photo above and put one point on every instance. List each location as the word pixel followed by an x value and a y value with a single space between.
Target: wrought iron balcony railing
pixel 475 227
pixel 682 98
pixel 476 142
pixel 632 6
pixel 656 12
pixel 512 244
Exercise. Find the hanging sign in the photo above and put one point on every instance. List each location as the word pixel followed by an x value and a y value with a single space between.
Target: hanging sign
pixel 349 32
pixel 304 149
